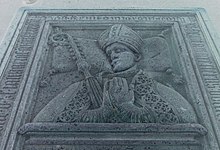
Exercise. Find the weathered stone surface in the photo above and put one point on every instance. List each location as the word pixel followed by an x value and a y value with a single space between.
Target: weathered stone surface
pixel 110 79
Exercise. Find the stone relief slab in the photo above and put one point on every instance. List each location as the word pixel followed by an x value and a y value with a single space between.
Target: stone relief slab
pixel 109 79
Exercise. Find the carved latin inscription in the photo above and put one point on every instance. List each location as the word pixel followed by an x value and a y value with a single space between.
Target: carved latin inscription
pixel 206 64
pixel 11 80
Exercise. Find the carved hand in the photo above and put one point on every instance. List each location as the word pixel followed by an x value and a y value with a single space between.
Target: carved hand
pixel 119 91
pixel 84 67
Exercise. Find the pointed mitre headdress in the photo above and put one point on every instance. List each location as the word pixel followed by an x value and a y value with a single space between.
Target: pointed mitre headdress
pixel 119 33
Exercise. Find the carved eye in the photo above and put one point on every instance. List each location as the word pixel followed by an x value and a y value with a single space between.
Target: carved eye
pixel 119 50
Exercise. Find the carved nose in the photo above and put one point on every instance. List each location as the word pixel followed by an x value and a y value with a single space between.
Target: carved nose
pixel 113 55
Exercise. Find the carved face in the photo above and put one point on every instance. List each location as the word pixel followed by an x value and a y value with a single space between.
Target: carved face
pixel 122 58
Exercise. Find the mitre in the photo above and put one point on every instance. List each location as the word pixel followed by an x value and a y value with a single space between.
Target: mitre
pixel 119 33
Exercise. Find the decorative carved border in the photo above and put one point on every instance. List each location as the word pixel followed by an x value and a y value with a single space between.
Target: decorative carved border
pixel 205 61
pixel 14 71
pixel 14 76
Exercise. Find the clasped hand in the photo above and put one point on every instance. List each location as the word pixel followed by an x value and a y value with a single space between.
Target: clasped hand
pixel 118 91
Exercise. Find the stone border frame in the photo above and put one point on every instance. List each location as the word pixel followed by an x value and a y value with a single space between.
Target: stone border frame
pixel 19 55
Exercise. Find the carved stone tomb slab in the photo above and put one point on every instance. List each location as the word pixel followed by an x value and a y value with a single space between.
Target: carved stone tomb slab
pixel 109 80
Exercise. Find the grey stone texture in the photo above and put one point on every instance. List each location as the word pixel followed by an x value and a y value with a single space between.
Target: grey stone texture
pixel 110 79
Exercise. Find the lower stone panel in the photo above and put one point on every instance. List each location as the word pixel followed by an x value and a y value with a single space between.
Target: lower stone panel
pixel 107 147
pixel 102 136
